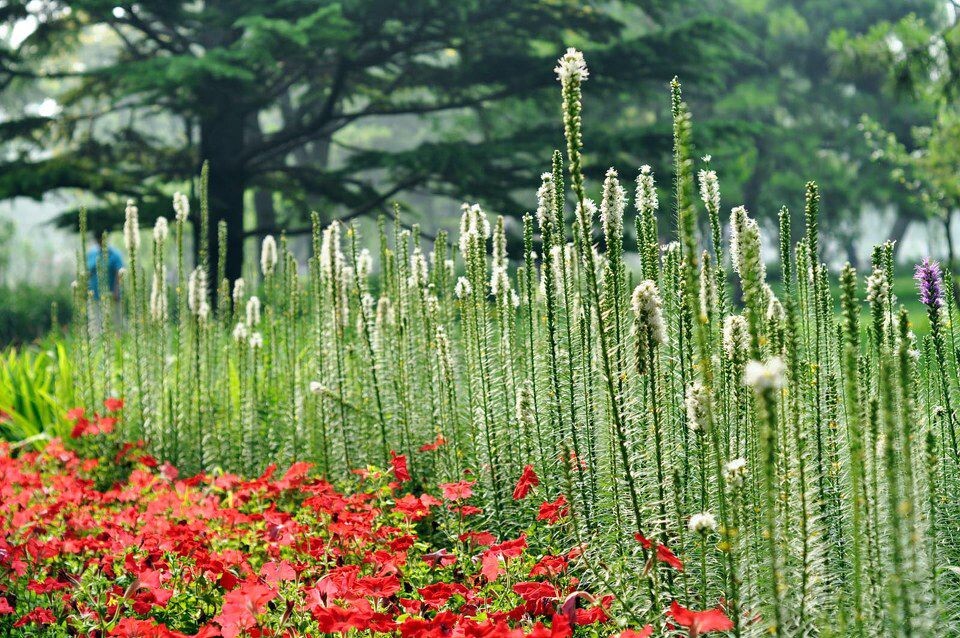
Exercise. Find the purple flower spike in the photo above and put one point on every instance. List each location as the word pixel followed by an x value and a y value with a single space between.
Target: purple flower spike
pixel 930 283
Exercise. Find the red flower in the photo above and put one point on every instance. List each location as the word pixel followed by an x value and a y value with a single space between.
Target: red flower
pixel 5 607
pixel 478 538
pixel 430 447
pixel 549 566
pixel 461 490
pixel 414 508
pixel 534 591
pixel 80 427
pixel 241 607
pixel 38 616
pixel 378 587
pixel 511 549
pixel 700 622
pixel 466 510
pixel 553 511
pixel 399 463
pixel 275 572
pixel 113 404
pixel 438 594
pixel 490 566
pixel 646 632
pixel 528 481
pixel 664 555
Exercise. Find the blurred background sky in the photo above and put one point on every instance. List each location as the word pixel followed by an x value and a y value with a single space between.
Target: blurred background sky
pixel 345 108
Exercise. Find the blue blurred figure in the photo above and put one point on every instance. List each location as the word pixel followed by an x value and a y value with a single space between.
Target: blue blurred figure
pixel 113 266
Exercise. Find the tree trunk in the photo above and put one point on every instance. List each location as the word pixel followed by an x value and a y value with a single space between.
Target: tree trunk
pixel 850 248
pixel 263 208
pixel 222 144
pixel 900 225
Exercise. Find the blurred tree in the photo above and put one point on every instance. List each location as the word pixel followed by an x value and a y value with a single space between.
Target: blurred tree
pixel 794 117
pixel 274 95
pixel 919 62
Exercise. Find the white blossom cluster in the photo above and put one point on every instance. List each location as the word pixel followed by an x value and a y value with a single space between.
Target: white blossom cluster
pixel 181 207
pixel 648 308
pixel 571 66
pixel 696 402
pixel 463 289
pixel 646 196
pixel 474 225
pixel 765 375
pixel 736 337
pixel 709 190
pixel 612 205
pixel 239 291
pixel 418 269
pixel 735 471
pixel 546 200
pixel 161 230
pixel 158 295
pixel 745 243
pixel 131 227
pixel 703 523
pixel 268 255
pixel 197 293
pixel 878 287
pixel 253 311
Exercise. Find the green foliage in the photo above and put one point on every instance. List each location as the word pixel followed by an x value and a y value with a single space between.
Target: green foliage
pixel 36 391
pixel 28 311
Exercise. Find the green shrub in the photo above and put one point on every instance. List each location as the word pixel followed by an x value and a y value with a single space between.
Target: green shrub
pixel 26 312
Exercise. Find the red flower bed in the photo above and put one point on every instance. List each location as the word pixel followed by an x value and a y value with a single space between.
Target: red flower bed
pixel 279 555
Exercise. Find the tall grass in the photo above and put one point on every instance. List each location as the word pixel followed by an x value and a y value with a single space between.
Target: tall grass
pixel 802 463
pixel 36 391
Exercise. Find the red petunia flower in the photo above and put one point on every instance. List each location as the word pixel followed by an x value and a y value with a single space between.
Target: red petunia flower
pixel 440 558
pixel 664 554
pixel 38 616
pixel 512 548
pixel 466 510
pixel 534 591
pixel 461 490
pixel 700 622
pixel 553 511
pixel 430 447
pixel 528 481
pixel 438 594
pixel 113 404
pixel 478 538
pixel 241 607
pixel 399 463
pixel 549 566
pixel 275 572
pixel 646 632
pixel 378 587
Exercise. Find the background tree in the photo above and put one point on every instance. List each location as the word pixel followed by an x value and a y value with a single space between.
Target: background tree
pixel 272 94
pixel 918 62
pixel 791 113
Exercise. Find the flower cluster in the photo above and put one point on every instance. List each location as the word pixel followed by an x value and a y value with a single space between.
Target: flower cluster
pixel 929 280
pixel 286 554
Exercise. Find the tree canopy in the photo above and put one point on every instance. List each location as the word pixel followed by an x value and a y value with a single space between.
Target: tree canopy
pixel 269 92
